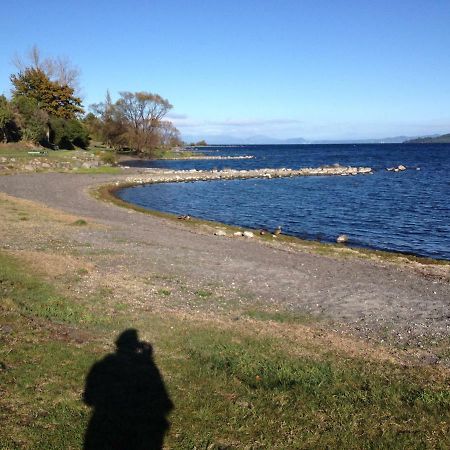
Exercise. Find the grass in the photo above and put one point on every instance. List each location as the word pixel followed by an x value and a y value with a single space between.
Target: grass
pixel 231 387
pixel 164 292
pixel 34 298
pixel 79 222
pixel 170 154
pixel 203 294
pixel 279 316
pixel 19 150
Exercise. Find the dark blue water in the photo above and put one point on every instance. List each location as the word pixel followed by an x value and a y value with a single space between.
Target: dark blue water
pixel 407 211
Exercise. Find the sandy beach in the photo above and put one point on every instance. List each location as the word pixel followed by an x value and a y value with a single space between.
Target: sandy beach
pixel 403 303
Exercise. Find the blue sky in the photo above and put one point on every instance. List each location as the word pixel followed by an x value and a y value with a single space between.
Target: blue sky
pixel 282 68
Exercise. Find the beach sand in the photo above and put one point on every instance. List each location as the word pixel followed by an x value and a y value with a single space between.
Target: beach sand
pixel 368 297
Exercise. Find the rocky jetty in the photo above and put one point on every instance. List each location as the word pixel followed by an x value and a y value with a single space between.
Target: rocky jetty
pixel 171 176
pixel 210 157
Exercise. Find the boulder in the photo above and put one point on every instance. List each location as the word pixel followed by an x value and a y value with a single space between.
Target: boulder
pixel 342 239
pixel 247 234
pixel 220 233
pixel 401 167
pixel 90 164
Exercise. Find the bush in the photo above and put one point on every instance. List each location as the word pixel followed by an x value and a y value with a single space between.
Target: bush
pixel 68 133
pixel 108 158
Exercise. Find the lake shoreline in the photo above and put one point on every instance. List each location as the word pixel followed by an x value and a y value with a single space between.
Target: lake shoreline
pixel 155 176
pixel 283 271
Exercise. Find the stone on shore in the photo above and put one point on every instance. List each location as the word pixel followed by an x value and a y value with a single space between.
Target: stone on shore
pixel 342 239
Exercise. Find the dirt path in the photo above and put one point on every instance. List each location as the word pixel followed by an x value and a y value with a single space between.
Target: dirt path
pixel 374 299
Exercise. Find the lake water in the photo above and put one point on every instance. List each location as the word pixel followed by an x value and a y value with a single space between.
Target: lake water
pixel 406 211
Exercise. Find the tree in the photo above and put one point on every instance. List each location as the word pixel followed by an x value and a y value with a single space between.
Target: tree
pixel 55 99
pixel 68 133
pixel 110 124
pixel 169 134
pixel 135 121
pixel 9 130
pixel 32 121
pixel 142 113
pixel 59 69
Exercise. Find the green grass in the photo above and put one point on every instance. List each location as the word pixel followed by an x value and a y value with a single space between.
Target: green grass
pixel 19 150
pixel 231 389
pixel 79 222
pixel 164 292
pixel 34 298
pixel 324 403
pixel 20 153
pixel 203 294
pixel 170 154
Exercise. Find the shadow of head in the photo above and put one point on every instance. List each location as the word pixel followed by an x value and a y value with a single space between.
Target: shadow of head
pixel 128 342
pixel 128 396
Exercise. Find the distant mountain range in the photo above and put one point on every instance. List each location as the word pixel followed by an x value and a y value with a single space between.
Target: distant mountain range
pixel 266 140
pixel 436 139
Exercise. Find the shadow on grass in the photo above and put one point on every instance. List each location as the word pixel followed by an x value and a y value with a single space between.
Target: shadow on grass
pixel 129 399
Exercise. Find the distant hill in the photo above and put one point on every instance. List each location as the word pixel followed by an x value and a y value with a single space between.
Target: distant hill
pixel 267 140
pixel 443 139
pixel 387 140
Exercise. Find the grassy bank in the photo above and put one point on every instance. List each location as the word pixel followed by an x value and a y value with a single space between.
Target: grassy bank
pixel 232 386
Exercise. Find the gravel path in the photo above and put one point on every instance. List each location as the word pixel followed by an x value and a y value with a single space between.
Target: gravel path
pixel 369 296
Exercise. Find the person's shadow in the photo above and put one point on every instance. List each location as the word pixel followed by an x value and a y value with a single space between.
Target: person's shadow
pixel 129 398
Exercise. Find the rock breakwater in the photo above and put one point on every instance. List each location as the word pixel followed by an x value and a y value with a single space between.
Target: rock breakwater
pixel 172 176
pixel 209 157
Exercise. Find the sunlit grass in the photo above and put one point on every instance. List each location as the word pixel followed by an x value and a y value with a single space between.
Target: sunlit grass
pixel 231 389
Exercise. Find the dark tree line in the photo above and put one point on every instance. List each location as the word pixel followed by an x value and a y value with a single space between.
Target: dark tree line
pixel 45 109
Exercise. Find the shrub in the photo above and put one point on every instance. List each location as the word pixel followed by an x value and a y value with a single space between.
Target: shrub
pixel 108 158
pixel 68 133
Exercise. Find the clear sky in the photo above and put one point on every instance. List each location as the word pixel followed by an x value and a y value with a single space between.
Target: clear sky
pixel 283 68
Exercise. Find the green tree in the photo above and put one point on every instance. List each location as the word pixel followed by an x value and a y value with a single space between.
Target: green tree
pixel 9 131
pixel 32 121
pixel 68 133
pixel 94 126
pixel 55 99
